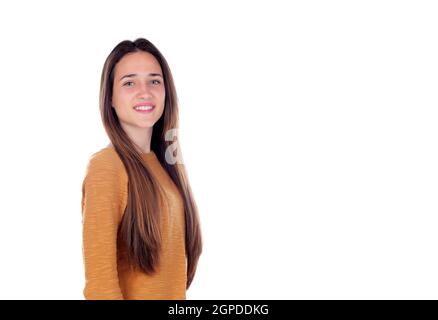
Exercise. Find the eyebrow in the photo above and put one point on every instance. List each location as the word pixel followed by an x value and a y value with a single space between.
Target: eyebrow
pixel 135 74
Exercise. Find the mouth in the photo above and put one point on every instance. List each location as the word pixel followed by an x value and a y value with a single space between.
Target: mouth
pixel 144 109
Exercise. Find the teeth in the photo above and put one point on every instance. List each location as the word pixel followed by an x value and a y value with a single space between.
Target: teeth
pixel 143 108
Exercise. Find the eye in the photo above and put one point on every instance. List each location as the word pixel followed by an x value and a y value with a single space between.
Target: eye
pixel 127 83
pixel 157 81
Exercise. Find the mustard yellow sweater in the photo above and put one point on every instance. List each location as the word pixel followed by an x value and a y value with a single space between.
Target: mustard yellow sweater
pixel 104 199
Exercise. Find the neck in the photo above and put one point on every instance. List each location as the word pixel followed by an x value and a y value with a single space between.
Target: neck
pixel 141 137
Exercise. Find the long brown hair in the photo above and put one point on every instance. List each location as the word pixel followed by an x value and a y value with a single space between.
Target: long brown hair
pixel 140 226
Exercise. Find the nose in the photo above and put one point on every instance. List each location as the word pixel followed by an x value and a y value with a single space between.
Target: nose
pixel 144 92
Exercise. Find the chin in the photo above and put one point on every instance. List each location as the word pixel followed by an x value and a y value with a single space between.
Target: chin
pixel 145 125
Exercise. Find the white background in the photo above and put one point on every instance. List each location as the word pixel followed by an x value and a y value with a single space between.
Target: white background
pixel 308 129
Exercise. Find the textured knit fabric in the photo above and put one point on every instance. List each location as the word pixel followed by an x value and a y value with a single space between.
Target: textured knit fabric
pixel 104 198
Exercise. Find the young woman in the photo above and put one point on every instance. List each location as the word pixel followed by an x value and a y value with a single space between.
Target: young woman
pixel 141 230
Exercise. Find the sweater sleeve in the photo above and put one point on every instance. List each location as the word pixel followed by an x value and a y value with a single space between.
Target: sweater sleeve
pixel 101 200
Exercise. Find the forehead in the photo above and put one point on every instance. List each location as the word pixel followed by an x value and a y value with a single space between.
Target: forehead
pixel 137 62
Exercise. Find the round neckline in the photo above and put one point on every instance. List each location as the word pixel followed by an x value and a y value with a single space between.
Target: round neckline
pixel 143 154
pixel 148 154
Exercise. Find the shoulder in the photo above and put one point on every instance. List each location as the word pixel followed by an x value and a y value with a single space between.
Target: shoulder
pixel 105 164
pixel 105 158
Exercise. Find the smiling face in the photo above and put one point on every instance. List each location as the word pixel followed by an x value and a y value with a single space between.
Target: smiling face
pixel 138 79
